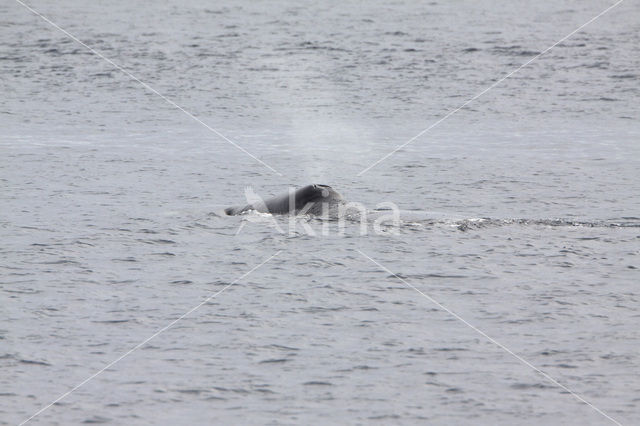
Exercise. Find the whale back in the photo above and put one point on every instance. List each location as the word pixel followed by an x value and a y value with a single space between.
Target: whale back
pixel 308 199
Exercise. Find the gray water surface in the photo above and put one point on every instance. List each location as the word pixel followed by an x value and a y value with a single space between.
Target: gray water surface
pixel 521 213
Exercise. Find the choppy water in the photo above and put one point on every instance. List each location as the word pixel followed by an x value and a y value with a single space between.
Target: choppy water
pixel 521 213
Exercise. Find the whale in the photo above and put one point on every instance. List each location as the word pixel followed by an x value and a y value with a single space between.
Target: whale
pixel 312 199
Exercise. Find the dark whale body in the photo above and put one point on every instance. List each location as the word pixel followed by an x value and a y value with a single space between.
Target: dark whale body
pixel 306 200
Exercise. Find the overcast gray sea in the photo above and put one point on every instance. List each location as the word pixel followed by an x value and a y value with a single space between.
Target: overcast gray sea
pixel 520 213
